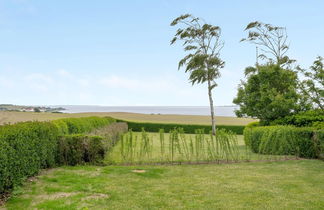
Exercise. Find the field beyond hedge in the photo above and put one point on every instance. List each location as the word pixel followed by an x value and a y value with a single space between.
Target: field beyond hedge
pixel 258 185
pixel 12 117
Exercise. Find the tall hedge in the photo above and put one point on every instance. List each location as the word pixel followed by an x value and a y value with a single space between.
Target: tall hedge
pixel 285 140
pixel 188 128
pixel 27 147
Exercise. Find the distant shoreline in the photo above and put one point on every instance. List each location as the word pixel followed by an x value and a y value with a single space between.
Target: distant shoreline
pixel 226 111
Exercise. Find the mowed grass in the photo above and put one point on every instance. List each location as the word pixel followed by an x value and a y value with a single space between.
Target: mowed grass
pixel 272 185
pixel 13 117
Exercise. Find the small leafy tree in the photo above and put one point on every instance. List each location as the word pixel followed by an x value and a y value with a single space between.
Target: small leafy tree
pixel 269 93
pixel 313 85
pixel 272 41
pixel 203 44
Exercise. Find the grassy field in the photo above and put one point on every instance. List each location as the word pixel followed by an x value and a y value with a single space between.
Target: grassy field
pixel 272 185
pixel 12 117
pixel 157 156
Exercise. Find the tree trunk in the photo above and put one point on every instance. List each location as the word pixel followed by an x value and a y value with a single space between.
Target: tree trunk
pixel 212 113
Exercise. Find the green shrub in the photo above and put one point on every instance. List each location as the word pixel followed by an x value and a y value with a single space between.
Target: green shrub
pixel 27 147
pixel 79 149
pixel 252 124
pixel 302 119
pixel 6 167
pixel 81 125
pixel 279 141
pixel 252 137
pixel 286 140
pixel 110 133
pixel 318 125
pixel 188 128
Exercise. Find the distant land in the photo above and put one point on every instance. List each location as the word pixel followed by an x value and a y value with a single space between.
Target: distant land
pixel 22 108
pixel 226 111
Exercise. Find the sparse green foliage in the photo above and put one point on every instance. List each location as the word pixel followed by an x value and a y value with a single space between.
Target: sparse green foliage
pixel 313 85
pixel 272 41
pixel 203 44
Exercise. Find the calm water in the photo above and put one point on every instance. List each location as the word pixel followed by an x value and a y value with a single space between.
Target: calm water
pixel 185 110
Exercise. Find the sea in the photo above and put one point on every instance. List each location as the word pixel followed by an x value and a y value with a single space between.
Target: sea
pixel 227 111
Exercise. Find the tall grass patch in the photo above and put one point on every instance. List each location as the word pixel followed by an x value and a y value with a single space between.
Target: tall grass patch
pixel 175 147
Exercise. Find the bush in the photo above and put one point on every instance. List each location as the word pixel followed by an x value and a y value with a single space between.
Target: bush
pixel 27 147
pixel 6 167
pixel 318 125
pixel 286 140
pixel 302 119
pixel 111 133
pixel 79 149
pixel 188 128
pixel 81 125
pixel 252 124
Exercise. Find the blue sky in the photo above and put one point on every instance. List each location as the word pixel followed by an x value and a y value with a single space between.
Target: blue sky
pixel 118 53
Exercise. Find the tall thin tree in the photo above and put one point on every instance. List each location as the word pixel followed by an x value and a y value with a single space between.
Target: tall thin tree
pixel 203 44
pixel 272 40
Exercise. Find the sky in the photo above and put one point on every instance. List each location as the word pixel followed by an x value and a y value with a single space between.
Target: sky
pixel 118 53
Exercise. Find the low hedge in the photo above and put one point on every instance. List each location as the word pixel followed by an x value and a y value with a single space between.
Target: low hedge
pixel 285 140
pixel 79 149
pixel 110 134
pixel 81 125
pixel 27 147
pixel 188 128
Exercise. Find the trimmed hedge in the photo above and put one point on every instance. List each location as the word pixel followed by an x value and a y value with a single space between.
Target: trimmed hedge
pixel 110 134
pixel 91 148
pixel 27 147
pixel 188 128
pixel 81 125
pixel 79 149
pixel 285 140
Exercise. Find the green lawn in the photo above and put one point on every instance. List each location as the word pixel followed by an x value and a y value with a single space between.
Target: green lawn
pixel 295 184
